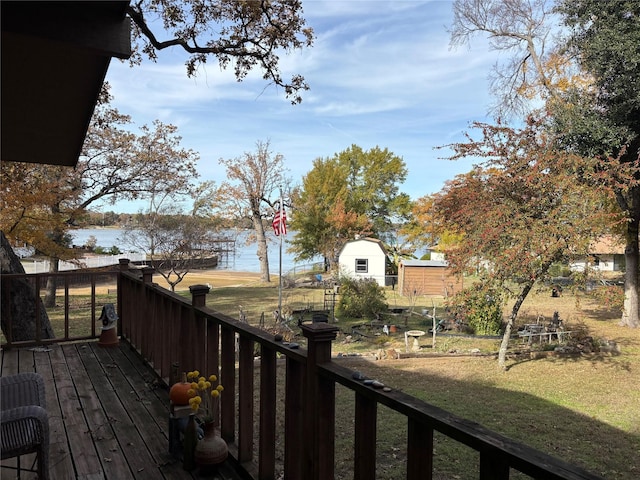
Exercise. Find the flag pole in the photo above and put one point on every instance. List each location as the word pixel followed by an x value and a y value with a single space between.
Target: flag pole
pixel 280 318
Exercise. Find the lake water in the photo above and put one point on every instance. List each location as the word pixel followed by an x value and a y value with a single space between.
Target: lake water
pixel 243 260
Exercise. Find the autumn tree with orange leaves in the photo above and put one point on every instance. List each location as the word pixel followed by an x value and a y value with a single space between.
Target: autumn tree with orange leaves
pixel 355 192
pixel 40 203
pixel 519 211
pixel 578 58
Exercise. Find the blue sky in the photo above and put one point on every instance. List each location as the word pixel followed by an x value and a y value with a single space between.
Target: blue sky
pixel 381 73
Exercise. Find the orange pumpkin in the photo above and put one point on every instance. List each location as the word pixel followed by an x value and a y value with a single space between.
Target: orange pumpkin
pixel 178 393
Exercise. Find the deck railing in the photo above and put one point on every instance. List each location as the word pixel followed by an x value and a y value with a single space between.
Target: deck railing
pixel 71 320
pixel 169 330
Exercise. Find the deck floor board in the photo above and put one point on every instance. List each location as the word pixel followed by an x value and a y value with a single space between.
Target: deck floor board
pixel 108 415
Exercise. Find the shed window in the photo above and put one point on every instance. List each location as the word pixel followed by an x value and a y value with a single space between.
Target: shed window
pixel 362 265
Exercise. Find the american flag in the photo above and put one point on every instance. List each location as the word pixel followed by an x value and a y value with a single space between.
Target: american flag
pixel 280 221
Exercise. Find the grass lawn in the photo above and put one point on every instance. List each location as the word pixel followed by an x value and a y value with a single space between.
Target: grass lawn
pixel 584 409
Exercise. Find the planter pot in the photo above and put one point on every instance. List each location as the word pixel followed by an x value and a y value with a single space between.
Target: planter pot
pixel 211 450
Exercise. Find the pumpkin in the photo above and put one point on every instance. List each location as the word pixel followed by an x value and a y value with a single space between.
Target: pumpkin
pixel 178 393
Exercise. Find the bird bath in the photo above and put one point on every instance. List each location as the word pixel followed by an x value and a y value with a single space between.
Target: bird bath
pixel 415 334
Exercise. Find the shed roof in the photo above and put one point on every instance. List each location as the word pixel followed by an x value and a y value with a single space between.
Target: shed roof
pixel 365 239
pixel 424 263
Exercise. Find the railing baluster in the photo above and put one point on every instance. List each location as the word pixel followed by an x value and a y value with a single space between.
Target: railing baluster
pixel 493 466
pixel 39 304
pixel 419 451
pixel 124 266
pixel 199 299
pixel 163 359
pixel 213 347
pixel 365 438
pixel 245 400
pixel 148 314
pixel 228 378
pixel 66 305
pixel 293 421
pixel 267 464
pixel 93 306
pixel 173 334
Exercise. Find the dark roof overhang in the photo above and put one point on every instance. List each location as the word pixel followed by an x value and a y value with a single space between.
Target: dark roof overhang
pixel 55 57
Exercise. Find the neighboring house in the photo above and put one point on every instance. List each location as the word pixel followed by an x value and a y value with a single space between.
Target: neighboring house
pixel 436 253
pixel 427 277
pixel 364 258
pixel 605 255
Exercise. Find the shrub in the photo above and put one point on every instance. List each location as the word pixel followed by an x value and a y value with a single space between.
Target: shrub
pixel 110 251
pixel 610 296
pixel 480 307
pixel 361 298
pixel 559 270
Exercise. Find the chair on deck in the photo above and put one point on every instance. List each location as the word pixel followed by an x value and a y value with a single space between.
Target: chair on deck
pixel 24 420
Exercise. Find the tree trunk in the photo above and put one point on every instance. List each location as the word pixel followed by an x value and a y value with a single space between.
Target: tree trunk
pixel 630 313
pixel 52 283
pixel 263 257
pixel 502 354
pixel 19 301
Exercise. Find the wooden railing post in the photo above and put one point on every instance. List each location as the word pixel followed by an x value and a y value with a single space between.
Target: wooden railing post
pixel 124 267
pixel 319 404
pixel 199 295
pixel 147 274
pixel 197 337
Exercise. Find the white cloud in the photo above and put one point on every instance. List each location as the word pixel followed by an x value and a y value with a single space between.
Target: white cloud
pixel 381 73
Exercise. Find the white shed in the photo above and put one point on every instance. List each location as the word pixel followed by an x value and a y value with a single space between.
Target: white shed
pixel 364 258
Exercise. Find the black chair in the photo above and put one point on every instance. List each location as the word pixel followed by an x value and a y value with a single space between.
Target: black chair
pixel 24 420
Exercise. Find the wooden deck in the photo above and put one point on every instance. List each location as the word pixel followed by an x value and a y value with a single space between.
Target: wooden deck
pixel 108 416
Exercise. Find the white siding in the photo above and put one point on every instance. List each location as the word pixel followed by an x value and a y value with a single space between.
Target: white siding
pixel 605 263
pixel 437 256
pixel 357 254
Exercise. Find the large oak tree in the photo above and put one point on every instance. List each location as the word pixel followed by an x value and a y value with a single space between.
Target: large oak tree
pixel 321 218
pixel 519 211
pixel 254 183
pixel 355 192
pixel 247 35
pixel 586 75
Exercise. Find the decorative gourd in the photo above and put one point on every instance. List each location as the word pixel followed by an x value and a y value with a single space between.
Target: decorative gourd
pixel 178 393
